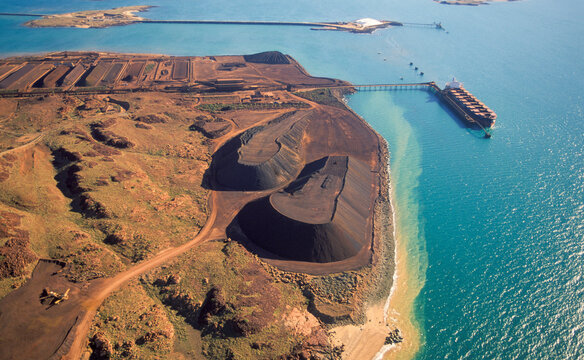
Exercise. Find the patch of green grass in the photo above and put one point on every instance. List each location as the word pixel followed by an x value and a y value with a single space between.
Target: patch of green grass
pixel 148 68
pixel 321 96
pixel 219 107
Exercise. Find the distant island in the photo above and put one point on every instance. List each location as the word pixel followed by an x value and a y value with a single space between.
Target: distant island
pixel 91 18
pixel 126 16
pixel 470 2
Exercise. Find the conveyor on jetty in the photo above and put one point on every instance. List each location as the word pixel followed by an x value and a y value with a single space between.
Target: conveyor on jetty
pixel 316 25
pixel 430 86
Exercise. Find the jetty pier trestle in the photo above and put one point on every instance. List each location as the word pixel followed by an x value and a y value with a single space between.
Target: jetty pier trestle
pixel 388 87
pixel 428 86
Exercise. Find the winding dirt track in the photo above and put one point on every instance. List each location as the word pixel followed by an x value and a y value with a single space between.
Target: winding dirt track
pixel 79 332
pixel 24 146
pixel 334 133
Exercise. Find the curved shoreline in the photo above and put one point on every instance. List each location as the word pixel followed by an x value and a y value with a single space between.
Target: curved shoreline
pixel 386 348
pixel 396 309
pixel 410 252
pixel 363 341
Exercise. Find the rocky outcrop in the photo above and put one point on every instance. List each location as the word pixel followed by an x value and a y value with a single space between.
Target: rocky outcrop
pixel 91 207
pixel 143 126
pixel 394 337
pixel 214 305
pixel 183 303
pixel 99 133
pixel 69 180
pixel 6 162
pixel 102 348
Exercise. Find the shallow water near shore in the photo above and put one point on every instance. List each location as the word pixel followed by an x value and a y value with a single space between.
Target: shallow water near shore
pixel 493 229
pixel 406 154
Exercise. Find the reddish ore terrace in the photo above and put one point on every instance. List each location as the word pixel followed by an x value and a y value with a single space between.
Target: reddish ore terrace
pixel 103 72
pixel 152 156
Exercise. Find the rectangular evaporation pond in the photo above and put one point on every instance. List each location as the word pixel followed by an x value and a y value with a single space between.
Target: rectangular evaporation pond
pixel 97 73
pixel 73 76
pixel 149 70
pixel 4 69
pixel 133 70
pixel 180 70
pixel 28 79
pixel 112 74
pixel 12 78
pixel 53 78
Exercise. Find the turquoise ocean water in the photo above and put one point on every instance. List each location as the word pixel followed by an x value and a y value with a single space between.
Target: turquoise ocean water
pixel 496 225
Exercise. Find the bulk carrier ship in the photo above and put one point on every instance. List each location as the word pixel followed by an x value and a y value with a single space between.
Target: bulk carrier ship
pixel 467 106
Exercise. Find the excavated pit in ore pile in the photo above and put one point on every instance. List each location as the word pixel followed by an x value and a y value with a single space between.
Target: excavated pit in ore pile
pixel 261 158
pixel 322 216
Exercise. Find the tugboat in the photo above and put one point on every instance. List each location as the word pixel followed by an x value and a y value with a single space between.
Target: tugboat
pixel 467 106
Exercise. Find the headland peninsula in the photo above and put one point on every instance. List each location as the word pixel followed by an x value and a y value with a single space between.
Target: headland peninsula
pixel 215 207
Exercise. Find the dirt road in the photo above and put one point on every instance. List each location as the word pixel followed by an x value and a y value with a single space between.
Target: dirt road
pixel 79 332
pixel 24 146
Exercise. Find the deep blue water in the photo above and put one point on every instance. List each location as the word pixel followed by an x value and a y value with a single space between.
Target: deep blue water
pixel 499 223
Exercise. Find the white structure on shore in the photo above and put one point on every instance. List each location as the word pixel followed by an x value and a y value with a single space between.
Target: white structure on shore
pixel 368 22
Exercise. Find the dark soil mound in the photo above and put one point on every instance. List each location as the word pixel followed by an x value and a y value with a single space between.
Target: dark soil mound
pixel 211 128
pixel 140 125
pixel 108 137
pixel 268 57
pixel 105 150
pixel 260 158
pixel 151 119
pixel 323 216
pixel 214 304
pixel 123 104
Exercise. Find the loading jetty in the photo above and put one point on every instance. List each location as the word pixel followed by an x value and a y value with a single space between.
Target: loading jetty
pixel 366 25
pixel 127 15
pixel 22 14
pixel 465 105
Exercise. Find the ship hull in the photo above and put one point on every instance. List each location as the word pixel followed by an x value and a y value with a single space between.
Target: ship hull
pixel 468 108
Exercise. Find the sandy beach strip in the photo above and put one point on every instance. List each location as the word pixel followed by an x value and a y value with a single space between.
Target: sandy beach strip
pixel 367 341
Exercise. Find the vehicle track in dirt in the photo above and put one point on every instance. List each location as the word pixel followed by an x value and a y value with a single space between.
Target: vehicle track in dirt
pixel 81 328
